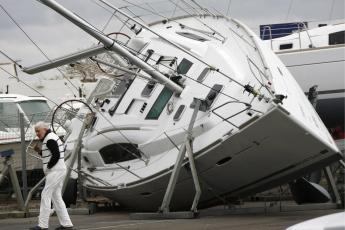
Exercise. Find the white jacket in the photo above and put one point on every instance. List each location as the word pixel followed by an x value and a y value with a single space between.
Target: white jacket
pixel 46 154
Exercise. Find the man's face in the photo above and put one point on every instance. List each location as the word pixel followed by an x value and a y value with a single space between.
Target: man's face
pixel 40 132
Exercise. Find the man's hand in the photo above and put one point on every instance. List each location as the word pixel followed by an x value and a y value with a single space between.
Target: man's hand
pixel 38 149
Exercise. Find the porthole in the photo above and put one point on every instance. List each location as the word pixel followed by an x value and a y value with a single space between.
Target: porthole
pixel 223 161
pixel 146 193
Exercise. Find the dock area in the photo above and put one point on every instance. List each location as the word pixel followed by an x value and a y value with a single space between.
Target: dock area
pixel 248 217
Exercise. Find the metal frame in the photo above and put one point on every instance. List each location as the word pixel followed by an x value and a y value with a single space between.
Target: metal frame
pixel 164 210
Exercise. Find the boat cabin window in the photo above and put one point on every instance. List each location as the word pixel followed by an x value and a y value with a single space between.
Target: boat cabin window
pixel 121 88
pixel 184 66
pixel 203 74
pixel 179 112
pixel 119 92
pixel 35 110
pixel 210 98
pixel 286 46
pixel 337 38
pixel 192 36
pixel 119 152
pixel 8 115
pixel 159 104
pixel 147 91
pixel 212 95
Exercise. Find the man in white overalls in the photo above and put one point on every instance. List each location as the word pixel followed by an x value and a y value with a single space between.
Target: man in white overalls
pixel 55 170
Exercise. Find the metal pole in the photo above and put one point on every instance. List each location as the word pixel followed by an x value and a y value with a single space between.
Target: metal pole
pixel 122 69
pixel 15 184
pixel 26 205
pixel 80 182
pixel 76 150
pixel 170 42
pixel 331 183
pixel 313 98
pixel 111 44
pixel 65 60
pixel 23 148
pixel 195 176
pixel 177 167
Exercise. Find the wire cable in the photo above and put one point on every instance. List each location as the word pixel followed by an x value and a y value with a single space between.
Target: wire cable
pixel 35 44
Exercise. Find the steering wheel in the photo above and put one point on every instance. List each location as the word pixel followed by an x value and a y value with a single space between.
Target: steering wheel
pixel 118 36
pixel 66 111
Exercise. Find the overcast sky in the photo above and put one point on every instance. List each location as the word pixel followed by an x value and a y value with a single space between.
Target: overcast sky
pixel 57 37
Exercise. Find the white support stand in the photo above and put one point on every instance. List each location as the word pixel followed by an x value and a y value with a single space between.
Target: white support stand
pixel 8 168
pixel 76 152
pixel 164 210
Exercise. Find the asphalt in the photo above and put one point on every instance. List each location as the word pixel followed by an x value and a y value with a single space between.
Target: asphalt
pixel 121 220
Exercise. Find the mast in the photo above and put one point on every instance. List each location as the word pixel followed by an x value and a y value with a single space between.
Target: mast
pixel 111 44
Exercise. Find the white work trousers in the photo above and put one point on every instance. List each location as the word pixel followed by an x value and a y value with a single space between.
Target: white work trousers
pixel 52 193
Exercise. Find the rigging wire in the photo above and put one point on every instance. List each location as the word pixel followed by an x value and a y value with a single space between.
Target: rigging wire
pixel 173 13
pixel 170 68
pixel 289 10
pixel 150 58
pixel 76 117
pixel 108 21
pixel 193 79
pixel 228 8
pixel 255 46
pixel 331 12
pixel 177 46
pixel 11 75
pixel 11 59
pixel 35 44
pixel 57 105
pixel 125 23
pixel 49 98
pixel 57 68
pixel 203 8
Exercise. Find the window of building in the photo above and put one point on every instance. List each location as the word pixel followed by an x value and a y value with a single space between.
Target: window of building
pixel 337 38
pixel 119 152
pixel 184 66
pixel 159 104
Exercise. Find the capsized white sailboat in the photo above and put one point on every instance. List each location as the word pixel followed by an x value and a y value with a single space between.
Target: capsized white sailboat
pixel 203 86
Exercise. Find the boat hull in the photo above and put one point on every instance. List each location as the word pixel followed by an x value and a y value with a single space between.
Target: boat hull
pixel 323 67
pixel 273 150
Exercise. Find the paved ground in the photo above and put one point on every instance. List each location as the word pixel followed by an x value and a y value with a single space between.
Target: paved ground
pixel 118 220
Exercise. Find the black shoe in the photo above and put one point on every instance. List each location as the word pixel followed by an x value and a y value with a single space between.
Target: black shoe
pixel 37 228
pixel 63 227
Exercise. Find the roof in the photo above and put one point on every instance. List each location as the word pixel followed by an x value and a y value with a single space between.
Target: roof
pixel 19 98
